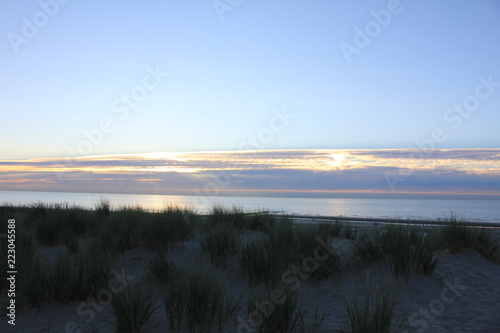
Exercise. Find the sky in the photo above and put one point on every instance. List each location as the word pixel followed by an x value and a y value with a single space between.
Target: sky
pixel 310 172
pixel 95 81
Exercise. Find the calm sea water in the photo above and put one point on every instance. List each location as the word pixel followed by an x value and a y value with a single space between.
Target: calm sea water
pixel 476 210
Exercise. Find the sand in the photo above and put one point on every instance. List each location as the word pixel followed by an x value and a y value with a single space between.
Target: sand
pixel 462 295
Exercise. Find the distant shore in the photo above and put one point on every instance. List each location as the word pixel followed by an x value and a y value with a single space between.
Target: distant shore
pixel 374 221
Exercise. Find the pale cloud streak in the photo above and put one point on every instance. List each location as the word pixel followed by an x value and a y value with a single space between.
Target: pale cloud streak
pixel 320 171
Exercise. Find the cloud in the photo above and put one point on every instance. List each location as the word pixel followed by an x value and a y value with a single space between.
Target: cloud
pixel 460 171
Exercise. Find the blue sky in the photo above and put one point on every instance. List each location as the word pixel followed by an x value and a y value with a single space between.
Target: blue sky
pixel 92 78
pixel 225 77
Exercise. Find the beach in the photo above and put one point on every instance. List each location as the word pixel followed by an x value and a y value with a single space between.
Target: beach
pixel 460 294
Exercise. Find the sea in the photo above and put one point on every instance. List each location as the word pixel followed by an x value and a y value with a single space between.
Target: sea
pixel 427 209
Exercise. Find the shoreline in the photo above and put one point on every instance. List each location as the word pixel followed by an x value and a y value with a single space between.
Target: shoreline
pixel 374 221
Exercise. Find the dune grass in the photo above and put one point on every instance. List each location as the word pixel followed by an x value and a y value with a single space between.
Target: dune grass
pixel 223 227
pixel 237 218
pixel 266 258
pixel 368 249
pixel 34 281
pixel 25 251
pixel 121 230
pixel 161 271
pixel 263 259
pixel 198 299
pixel 65 223
pixel 278 309
pixel 283 316
pixel 5 215
pixel 425 246
pixel 487 246
pixel 308 247
pixel 132 308
pixel 102 208
pixel 282 236
pixel 3 265
pixel 377 311
pixel 457 236
pixel 175 294
pixel 395 244
pixel 160 229
pixel 219 242
pixel 25 238
pixel 403 246
pixel 68 277
pixel 221 216
pixel 94 266
pixel 62 278
pixel 39 210
pixel 328 229
pixel 260 262
pixel 210 301
pixel 261 221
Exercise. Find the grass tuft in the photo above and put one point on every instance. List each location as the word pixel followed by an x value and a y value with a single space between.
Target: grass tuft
pixel 403 246
pixel 219 242
pixel 377 311
pixel 93 271
pixel 62 278
pixel 120 231
pixel 77 277
pixel 230 217
pixel 457 236
pixel 161 229
pixel 34 281
pixel 261 221
pixel 102 208
pixel 264 259
pixel 331 229
pixel 198 298
pixel 260 261
pixel 309 247
pixel 62 223
pixel 132 308
pixel 278 310
pixel 161 271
